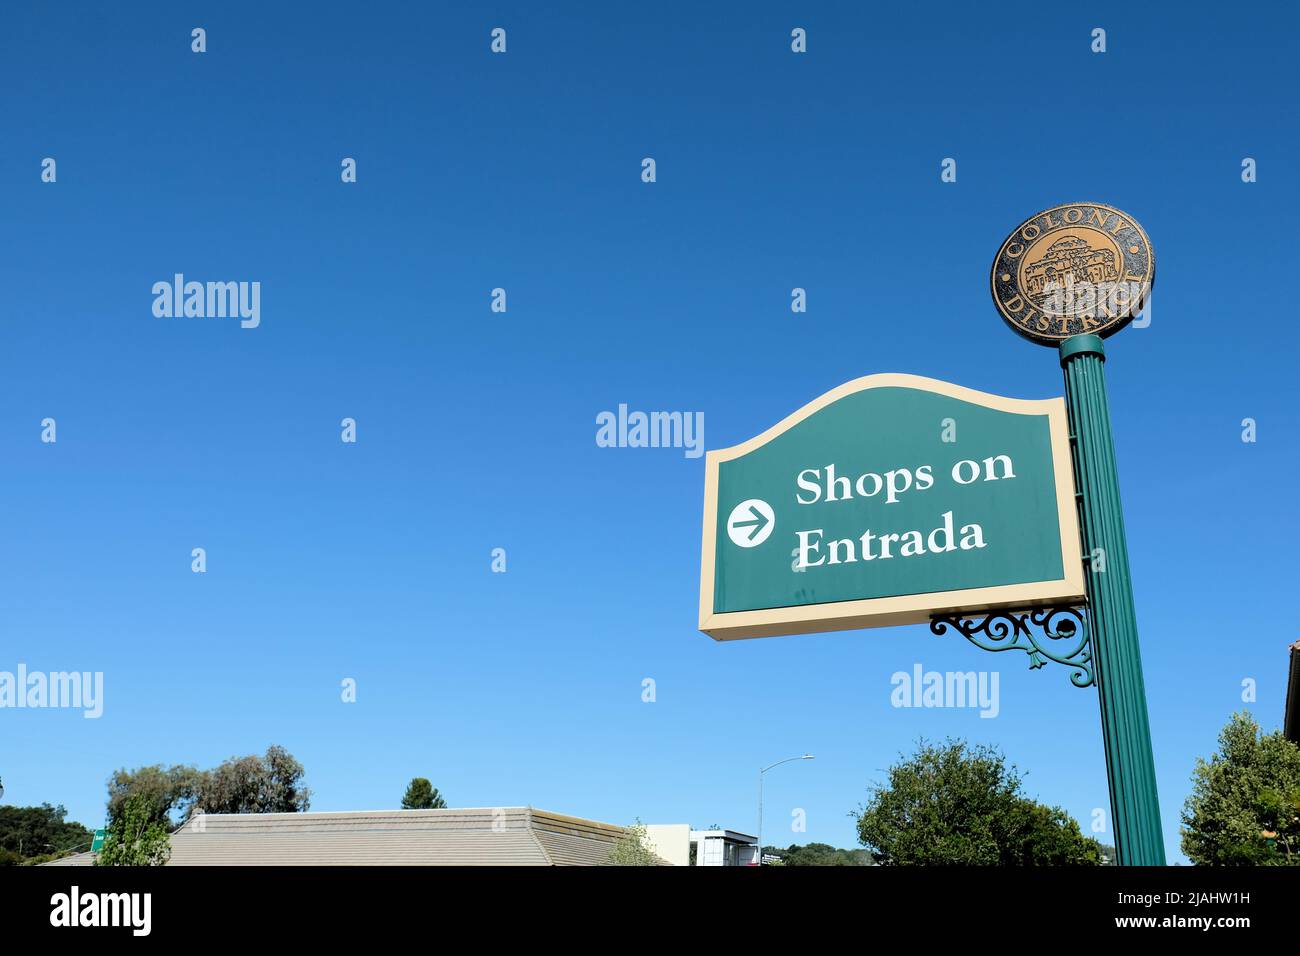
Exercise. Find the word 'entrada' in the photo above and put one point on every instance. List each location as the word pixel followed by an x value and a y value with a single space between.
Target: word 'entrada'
pixel 824 485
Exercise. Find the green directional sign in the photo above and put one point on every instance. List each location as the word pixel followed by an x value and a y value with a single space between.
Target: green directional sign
pixel 97 843
pixel 885 501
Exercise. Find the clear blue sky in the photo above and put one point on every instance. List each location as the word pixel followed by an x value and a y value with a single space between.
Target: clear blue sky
pixel 477 430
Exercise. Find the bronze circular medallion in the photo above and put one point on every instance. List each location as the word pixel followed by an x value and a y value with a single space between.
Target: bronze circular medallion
pixel 1084 267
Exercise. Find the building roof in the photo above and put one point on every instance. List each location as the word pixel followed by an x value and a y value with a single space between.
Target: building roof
pixel 490 836
pixel 733 836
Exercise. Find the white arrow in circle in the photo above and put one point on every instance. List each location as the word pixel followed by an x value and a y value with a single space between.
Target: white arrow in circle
pixel 751 523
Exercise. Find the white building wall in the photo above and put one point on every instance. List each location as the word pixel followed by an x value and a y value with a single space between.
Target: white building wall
pixel 670 841
pixel 711 852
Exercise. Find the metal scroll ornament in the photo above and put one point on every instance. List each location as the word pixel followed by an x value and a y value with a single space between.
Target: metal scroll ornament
pixel 1057 634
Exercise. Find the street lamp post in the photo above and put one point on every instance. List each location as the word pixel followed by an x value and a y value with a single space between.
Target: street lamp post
pixel 760 798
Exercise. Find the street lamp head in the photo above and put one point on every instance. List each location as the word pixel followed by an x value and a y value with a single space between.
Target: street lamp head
pixel 763 770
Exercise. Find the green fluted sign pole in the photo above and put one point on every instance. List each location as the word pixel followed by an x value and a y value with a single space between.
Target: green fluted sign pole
pixel 1117 659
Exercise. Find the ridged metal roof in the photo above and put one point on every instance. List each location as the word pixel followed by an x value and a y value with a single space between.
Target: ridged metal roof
pixel 490 836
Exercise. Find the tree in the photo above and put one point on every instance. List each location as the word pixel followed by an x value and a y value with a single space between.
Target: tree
pixel 252 784
pixel 958 805
pixel 168 792
pixel 818 854
pixel 135 838
pixel 631 848
pixel 35 834
pixel 422 795
pixel 1244 807
pixel 267 784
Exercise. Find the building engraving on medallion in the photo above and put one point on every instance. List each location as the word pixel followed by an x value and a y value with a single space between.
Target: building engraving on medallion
pixel 1069 261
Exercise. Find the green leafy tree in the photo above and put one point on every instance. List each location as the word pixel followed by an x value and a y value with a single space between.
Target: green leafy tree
pixel 135 838
pixel 268 784
pixel 36 834
pixel 1244 808
pixel 818 854
pixel 958 805
pixel 282 787
pixel 168 792
pixel 422 795
pixel 252 784
pixel 631 849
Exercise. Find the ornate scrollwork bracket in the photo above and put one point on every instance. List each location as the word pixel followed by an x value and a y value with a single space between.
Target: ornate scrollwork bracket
pixel 1064 638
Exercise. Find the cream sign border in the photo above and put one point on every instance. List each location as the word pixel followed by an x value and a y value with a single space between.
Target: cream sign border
pixel 906 608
